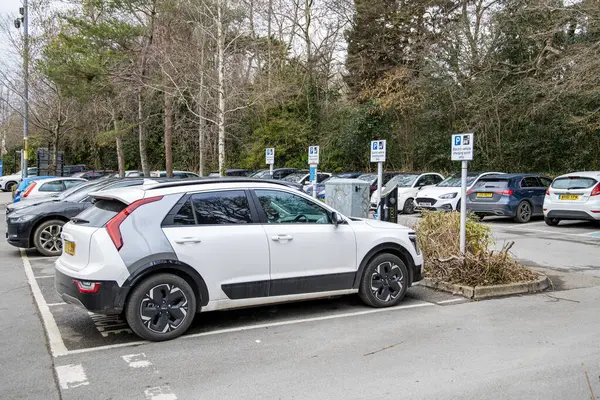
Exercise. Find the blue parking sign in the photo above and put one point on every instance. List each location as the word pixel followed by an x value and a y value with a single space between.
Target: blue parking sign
pixel 457 140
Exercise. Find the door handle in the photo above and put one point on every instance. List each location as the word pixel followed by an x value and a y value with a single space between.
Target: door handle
pixel 278 238
pixel 187 240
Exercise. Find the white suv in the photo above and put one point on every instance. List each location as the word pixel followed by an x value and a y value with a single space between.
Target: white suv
pixel 574 196
pixel 162 252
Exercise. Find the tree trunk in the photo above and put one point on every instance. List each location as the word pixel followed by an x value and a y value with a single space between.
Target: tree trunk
pixel 200 139
pixel 120 156
pixel 54 151
pixel 221 87
pixel 168 135
pixel 141 135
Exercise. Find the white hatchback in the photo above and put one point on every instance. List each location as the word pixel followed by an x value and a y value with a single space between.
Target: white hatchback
pixel 574 196
pixel 161 253
pixel 48 187
pixel 409 185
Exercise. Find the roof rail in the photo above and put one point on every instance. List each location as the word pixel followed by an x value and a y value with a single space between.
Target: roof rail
pixel 200 181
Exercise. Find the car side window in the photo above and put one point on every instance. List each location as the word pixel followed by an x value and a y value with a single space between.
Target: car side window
pixel 70 183
pixel 287 208
pixel 529 182
pixel 185 215
pixel 54 186
pixel 436 179
pixel 220 208
pixel 545 181
pixel 321 177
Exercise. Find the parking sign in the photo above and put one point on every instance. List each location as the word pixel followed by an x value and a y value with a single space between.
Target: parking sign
pixel 270 155
pixel 313 154
pixel 378 150
pixel 462 147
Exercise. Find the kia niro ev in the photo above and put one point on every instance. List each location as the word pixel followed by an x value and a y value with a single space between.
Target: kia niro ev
pixel 160 253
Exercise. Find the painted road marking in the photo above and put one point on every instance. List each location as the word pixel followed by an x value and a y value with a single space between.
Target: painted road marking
pixel 57 346
pixel 259 326
pixel 594 234
pixel 62 303
pixel 558 233
pixel 450 301
pixel 71 376
pixel 160 393
pixel 44 276
pixel 137 360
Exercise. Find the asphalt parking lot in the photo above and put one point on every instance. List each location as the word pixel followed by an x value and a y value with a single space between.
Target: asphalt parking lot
pixel 314 346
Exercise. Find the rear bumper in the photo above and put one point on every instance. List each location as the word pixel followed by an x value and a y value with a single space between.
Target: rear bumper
pixel 572 215
pixel 502 210
pixel 109 299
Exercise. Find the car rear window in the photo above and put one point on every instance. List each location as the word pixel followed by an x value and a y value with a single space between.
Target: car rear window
pixel 573 182
pixel 98 215
pixel 491 184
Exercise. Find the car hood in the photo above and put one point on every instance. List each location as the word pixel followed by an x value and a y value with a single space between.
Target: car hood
pixel 436 191
pixel 30 203
pixel 44 208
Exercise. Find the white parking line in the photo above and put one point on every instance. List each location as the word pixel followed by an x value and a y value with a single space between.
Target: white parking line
pixel 137 360
pixel 258 326
pixel 558 233
pixel 44 276
pixel 71 376
pixel 160 393
pixel 57 346
pixel 56 304
pixel 450 301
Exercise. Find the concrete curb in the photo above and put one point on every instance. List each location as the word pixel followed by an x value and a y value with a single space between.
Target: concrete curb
pixel 486 292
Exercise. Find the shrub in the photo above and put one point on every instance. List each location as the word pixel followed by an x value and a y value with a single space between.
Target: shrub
pixel 439 239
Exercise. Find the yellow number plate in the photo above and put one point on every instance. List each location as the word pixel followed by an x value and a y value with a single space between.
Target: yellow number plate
pixel 69 247
pixel 568 197
pixel 485 194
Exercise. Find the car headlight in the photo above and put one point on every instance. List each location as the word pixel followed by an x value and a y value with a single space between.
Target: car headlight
pixel 448 195
pixel 24 218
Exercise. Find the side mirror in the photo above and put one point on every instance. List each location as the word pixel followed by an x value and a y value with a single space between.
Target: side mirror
pixel 336 218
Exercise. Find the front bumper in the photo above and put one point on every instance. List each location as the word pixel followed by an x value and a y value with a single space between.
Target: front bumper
pixel 109 299
pixel 417 273
pixel 18 234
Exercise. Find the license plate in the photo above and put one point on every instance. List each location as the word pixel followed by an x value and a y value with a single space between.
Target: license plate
pixel 69 247
pixel 485 195
pixel 425 204
pixel 568 197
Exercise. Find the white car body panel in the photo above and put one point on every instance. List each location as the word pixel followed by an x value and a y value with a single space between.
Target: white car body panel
pixel 405 193
pixel 16 178
pixel 587 204
pixel 35 192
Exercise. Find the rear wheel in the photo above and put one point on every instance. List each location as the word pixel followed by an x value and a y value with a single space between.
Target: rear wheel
pixel 409 206
pixel 9 186
pixel 46 238
pixel 161 307
pixel 551 221
pixel 384 281
pixel 523 212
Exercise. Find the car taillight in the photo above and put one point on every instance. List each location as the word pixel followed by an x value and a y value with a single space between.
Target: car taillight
pixel 114 224
pixel 470 191
pixel 87 286
pixel 508 192
pixel 29 189
pixel 548 191
pixel 596 190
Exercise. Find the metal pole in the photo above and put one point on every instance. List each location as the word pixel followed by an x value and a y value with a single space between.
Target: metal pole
pixel 271 171
pixel 379 185
pixel 26 89
pixel 315 183
pixel 463 208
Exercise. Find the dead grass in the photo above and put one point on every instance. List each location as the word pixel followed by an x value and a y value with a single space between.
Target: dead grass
pixel 439 240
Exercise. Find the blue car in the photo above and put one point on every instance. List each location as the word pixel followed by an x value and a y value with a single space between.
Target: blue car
pixel 25 184
pixel 321 185
pixel 518 196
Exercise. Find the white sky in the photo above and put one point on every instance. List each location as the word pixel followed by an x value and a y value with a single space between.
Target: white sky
pixel 7 8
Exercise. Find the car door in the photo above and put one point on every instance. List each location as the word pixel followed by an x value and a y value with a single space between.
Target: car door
pixel 218 234
pixel 527 191
pixel 539 193
pixel 308 253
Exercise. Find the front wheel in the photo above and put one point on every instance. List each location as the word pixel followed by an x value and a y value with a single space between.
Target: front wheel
pixel 409 206
pixel 551 221
pixel 384 281
pixel 46 238
pixel 161 307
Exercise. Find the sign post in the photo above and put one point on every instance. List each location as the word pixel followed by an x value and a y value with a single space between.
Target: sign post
pixel 270 159
pixel 313 161
pixel 462 150
pixel 378 148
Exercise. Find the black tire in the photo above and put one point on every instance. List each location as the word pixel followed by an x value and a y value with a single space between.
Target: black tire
pixel 9 186
pixel 457 206
pixel 172 313
pixel 377 287
pixel 409 206
pixel 551 221
pixel 46 238
pixel 524 212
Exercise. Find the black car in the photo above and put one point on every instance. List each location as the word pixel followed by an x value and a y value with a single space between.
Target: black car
pixel 278 173
pixel 39 225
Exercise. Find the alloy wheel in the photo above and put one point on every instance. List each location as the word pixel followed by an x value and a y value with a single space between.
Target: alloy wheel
pixel 525 212
pixel 50 238
pixel 387 281
pixel 163 308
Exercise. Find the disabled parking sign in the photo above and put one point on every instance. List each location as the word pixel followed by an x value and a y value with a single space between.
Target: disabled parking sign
pixel 378 151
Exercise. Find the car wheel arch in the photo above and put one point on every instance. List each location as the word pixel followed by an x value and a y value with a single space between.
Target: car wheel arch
pixel 41 221
pixel 175 267
pixel 390 247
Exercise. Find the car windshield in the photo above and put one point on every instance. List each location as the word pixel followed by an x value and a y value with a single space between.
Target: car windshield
pixel 297 177
pixel 491 183
pixel 367 177
pixel 82 191
pixel 402 180
pixel 454 180
pixel 573 182
pixel 262 174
